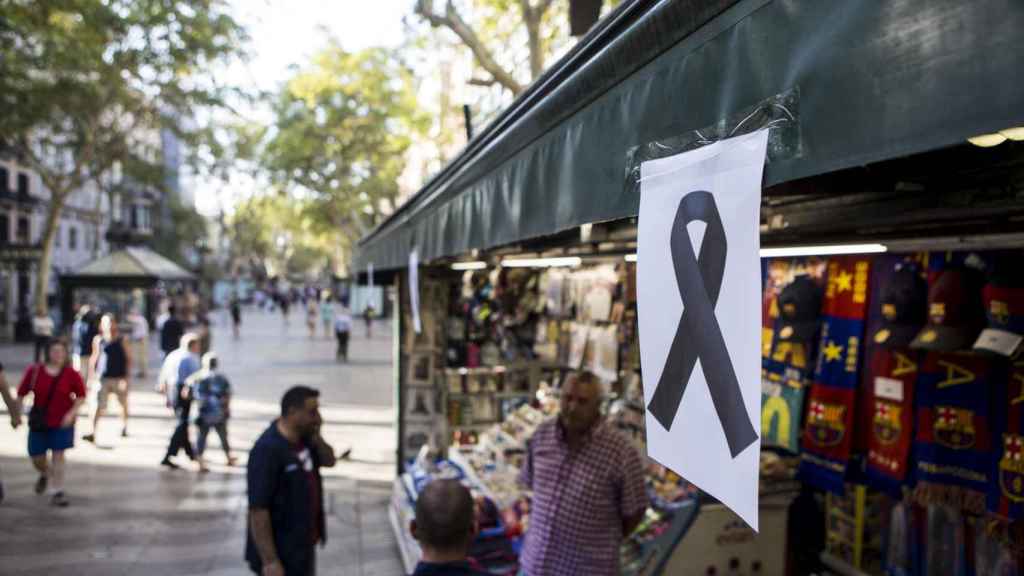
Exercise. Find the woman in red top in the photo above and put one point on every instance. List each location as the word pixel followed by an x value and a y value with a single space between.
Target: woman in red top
pixel 60 389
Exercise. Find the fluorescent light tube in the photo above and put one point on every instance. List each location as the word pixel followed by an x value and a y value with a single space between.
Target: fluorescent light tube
pixel 477 265
pixel 823 250
pixel 541 262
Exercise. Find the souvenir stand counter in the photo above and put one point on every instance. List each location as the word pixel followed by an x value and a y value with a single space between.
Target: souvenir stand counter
pixel 486 369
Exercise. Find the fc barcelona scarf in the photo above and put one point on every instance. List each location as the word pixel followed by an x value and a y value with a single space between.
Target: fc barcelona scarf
pixel 828 432
pixel 893 373
pixel 1006 493
pixel 953 444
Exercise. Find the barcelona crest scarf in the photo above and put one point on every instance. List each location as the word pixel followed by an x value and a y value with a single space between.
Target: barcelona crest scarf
pixel 828 432
pixel 953 446
pixel 1006 493
pixel 892 374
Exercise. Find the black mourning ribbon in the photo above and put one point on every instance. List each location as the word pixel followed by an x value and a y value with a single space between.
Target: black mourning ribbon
pixel 698 334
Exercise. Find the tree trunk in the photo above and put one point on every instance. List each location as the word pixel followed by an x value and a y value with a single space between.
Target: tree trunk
pixel 531 18
pixel 56 207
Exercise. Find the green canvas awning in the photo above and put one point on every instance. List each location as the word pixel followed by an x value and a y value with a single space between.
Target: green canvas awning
pixel 872 81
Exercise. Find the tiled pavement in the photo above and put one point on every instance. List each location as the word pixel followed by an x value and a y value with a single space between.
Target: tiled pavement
pixel 130 517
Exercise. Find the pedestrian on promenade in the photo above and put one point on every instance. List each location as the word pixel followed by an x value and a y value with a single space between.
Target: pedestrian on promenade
pixel 368 317
pixel 286 496
pixel 140 341
pixel 81 341
pixel 57 394
pixel 42 332
pixel 174 375
pixel 212 391
pixel 112 363
pixel 588 488
pixel 171 331
pixel 327 313
pixel 285 306
pixel 13 410
pixel 342 329
pixel 445 526
pixel 236 316
pixel 312 311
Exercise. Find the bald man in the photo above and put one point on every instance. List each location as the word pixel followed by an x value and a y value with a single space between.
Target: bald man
pixel 588 488
pixel 445 527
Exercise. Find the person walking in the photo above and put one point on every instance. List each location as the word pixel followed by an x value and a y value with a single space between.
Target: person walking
pixel 171 331
pixel 178 367
pixel 112 362
pixel 286 496
pixel 57 394
pixel 312 311
pixel 212 391
pixel 140 341
pixel 368 318
pixel 342 329
pixel 13 410
pixel 588 488
pixel 327 313
pixel 236 316
pixel 445 526
pixel 42 331
pixel 81 342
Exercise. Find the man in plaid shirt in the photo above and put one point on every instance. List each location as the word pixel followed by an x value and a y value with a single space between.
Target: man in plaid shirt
pixel 588 488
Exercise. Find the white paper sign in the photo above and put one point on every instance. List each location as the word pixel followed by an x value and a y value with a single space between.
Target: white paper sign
pixel 414 289
pixel 702 387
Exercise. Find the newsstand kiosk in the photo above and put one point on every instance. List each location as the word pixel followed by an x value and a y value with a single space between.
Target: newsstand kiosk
pixel 892 230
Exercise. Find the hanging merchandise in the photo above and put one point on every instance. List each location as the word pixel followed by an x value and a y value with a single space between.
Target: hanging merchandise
pixel 782 401
pixel 1006 493
pixel 955 314
pixel 1003 297
pixel 953 443
pixel 892 375
pixel 578 344
pixel 603 346
pixel 829 431
pixel 903 306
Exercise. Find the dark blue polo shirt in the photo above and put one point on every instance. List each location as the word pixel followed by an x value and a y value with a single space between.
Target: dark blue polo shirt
pixel 445 569
pixel 277 482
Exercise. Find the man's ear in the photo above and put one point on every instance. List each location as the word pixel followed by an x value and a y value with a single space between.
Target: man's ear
pixel 412 529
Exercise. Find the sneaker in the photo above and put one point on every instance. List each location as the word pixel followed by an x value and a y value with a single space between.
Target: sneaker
pixel 124 433
pixel 233 461
pixel 89 438
pixel 169 464
pixel 59 500
pixel 41 484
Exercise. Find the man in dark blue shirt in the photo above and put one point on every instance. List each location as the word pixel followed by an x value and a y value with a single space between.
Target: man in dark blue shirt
pixel 445 526
pixel 286 518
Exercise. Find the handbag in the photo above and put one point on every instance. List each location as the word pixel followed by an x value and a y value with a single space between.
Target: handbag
pixel 37 415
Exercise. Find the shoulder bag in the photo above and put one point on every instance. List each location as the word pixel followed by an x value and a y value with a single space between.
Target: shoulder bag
pixel 37 415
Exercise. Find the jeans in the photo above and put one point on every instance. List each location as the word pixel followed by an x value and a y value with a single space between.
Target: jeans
pixel 179 440
pixel 204 431
pixel 342 345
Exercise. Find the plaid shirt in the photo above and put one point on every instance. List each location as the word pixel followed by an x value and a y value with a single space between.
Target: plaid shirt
pixel 580 499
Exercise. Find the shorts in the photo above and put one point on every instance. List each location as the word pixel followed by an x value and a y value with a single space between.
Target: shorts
pixel 55 439
pixel 108 386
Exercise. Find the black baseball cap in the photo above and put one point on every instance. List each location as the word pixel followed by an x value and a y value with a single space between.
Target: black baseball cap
pixel 904 307
pixel 955 313
pixel 799 310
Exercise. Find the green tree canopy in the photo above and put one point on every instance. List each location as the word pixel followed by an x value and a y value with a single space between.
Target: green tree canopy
pixel 342 127
pixel 86 85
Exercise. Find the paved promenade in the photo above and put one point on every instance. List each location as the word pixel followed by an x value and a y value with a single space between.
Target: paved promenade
pixel 129 516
